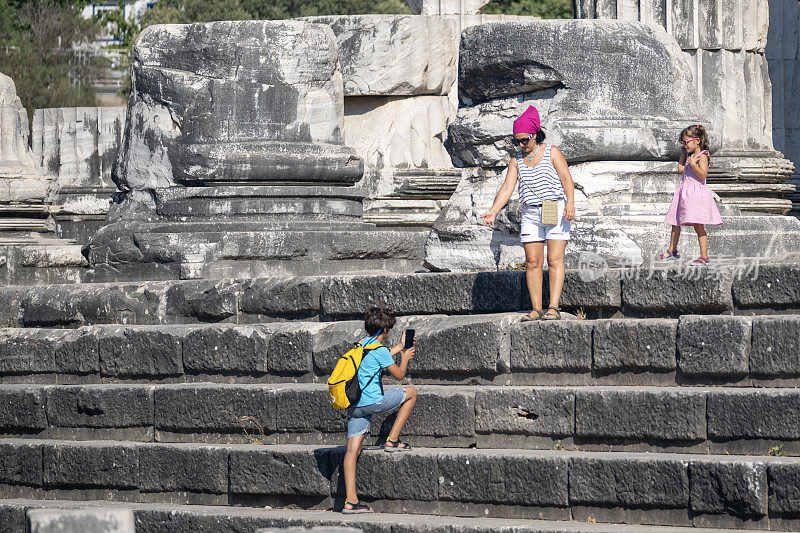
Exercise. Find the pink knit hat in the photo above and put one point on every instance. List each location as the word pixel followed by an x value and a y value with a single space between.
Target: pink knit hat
pixel 528 122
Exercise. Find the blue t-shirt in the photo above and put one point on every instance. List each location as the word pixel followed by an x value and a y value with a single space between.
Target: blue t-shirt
pixel 371 365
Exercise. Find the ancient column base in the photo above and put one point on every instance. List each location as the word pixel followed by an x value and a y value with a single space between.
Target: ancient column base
pixel 244 231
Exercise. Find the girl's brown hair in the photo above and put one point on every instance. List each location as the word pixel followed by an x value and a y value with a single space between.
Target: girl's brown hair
pixel 698 132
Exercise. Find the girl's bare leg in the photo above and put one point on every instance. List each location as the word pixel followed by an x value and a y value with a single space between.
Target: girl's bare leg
pixel 534 259
pixel 555 269
pixel 703 238
pixel 673 238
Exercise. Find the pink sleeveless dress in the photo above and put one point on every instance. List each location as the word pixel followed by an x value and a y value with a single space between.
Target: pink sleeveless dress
pixel 693 202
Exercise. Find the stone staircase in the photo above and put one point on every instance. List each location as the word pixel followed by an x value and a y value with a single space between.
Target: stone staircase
pixel 415 198
pixel 201 404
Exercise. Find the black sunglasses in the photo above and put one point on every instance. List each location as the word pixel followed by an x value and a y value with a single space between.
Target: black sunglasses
pixel 522 141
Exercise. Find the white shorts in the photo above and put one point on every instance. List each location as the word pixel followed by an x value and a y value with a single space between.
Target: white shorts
pixel 532 229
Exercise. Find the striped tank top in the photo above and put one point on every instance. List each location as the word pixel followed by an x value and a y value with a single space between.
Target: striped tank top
pixel 542 178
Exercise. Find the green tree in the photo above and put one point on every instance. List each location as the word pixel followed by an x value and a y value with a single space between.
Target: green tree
pixel 45 48
pixel 548 9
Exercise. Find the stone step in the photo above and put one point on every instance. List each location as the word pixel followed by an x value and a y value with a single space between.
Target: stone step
pixel 727 491
pixel 162 251
pixel 437 184
pixel 734 238
pixel 756 421
pixel 153 517
pixel 26 225
pixel 736 285
pixel 392 218
pixel 760 205
pixel 14 210
pixel 470 349
pixel 254 204
pixel 389 211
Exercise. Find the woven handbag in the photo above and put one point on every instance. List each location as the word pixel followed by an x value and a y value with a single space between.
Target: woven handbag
pixel 549 208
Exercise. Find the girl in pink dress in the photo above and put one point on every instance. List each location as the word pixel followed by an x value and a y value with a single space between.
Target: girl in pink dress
pixel 693 203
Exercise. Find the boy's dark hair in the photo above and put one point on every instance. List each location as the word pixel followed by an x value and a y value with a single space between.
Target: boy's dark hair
pixel 696 131
pixel 376 319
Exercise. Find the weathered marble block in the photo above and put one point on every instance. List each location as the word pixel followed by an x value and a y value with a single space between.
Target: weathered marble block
pixel 397 132
pixel 78 144
pixel 619 222
pixel 21 179
pixel 724 43
pixel 235 101
pixel 394 55
pixel 722 24
pixel 605 90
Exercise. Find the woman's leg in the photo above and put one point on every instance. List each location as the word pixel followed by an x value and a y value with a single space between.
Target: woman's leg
pixel 703 238
pixel 673 238
pixel 555 269
pixel 350 459
pixel 403 413
pixel 534 259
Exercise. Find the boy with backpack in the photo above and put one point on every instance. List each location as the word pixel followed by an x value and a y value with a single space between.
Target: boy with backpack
pixel 378 323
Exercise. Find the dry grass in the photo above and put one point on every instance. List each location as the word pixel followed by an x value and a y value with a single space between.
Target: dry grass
pixel 256 434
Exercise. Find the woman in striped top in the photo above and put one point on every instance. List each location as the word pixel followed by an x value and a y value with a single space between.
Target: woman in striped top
pixel 540 172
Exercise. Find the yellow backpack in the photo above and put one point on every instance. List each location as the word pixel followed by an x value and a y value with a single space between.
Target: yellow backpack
pixel 343 387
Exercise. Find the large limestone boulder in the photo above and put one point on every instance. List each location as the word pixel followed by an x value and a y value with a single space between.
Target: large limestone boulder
pixel 395 55
pixel 235 101
pixel 605 89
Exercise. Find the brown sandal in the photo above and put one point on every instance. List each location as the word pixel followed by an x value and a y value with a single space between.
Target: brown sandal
pixel 396 446
pixel 356 508
pixel 557 316
pixel 530 318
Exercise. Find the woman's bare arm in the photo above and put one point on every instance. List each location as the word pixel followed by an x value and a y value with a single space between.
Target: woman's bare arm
pixel 560 164
pixel 503 195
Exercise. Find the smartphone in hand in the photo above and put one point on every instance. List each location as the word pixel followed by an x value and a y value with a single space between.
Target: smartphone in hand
pixel 409 339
